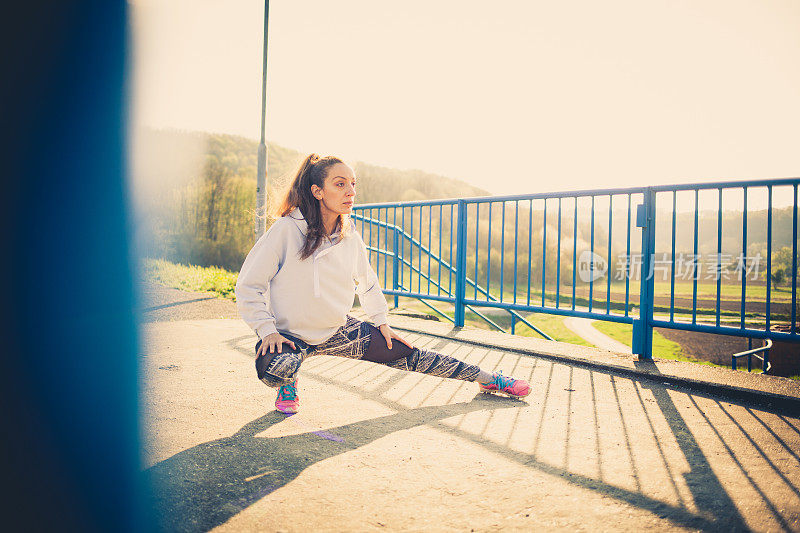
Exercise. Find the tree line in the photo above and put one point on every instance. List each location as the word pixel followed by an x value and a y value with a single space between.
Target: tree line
pixel 196 200
pixel 195 193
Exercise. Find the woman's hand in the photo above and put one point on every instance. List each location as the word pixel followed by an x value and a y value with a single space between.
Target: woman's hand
pixel 273 341
pixel 388 334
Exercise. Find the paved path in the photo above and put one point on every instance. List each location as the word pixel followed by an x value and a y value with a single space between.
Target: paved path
pixel 159 303
pixel 583 328
pixel 378 449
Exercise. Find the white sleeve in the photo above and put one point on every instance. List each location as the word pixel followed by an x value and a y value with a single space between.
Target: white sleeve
pixel 368 288
pixel 252 286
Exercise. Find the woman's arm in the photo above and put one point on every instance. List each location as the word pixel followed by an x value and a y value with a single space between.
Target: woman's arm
pixel 368 288
pixel 371 296
pixel 389 334
pixel 252 287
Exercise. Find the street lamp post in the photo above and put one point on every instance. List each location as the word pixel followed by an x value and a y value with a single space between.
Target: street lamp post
pixel 261 171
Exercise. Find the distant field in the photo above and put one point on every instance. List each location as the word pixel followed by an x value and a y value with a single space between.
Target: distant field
pixel 683 301
pixel 705 290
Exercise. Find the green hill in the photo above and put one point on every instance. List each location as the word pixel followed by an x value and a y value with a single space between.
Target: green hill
pixel 195 192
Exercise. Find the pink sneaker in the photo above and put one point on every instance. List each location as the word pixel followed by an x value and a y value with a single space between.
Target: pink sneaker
pixel 287 401
pixel 516 388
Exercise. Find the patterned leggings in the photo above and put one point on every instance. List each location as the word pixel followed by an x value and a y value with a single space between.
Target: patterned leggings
pixel 353 340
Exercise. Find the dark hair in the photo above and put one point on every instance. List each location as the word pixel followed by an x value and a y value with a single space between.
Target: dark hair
pixel 313 171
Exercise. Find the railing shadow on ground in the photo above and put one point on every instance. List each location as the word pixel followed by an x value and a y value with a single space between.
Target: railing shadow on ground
pixel 173 304
pixel 205 485
pixel 202 487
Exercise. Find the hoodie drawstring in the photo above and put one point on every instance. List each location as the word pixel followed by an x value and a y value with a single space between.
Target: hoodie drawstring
pixel 319 255
pixel 316 280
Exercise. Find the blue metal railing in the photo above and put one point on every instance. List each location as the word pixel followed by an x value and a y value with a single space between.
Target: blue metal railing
pixel 449 251
pixel 753 352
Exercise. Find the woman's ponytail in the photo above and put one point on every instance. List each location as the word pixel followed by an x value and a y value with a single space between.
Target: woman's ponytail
pixel 307 165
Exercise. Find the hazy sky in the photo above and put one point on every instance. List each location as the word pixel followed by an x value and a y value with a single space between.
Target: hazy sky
pixel 514 97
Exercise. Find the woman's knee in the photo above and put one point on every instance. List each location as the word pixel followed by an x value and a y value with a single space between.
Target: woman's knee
pixel 277 369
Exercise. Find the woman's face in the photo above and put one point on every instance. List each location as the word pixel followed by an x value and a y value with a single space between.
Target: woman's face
pixel 338 192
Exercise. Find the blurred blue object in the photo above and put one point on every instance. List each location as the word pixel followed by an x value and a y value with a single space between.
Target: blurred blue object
pixel 69 378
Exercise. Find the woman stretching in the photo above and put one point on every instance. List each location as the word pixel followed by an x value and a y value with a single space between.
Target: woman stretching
pixel 298 282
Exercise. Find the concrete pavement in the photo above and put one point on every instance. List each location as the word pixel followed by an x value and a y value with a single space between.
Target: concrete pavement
pixel 373 448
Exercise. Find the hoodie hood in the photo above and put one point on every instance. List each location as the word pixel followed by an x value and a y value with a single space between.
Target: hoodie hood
pixel 296 216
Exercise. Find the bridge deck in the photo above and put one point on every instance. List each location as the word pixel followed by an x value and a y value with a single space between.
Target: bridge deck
pixel 378 449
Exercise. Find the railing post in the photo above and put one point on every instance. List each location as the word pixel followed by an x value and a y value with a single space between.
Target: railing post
pixel 396 265
pixel 461 262
pixel 642 342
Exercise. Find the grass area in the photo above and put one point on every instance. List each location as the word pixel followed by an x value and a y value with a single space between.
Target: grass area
pixel 662 347
pixel 191 278
pixel 553 325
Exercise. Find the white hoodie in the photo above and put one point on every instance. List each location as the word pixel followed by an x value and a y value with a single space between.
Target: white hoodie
pixel 309 298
